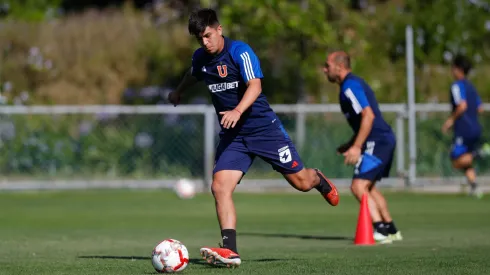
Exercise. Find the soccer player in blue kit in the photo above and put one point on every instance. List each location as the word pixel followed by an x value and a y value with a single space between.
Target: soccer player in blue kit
pixel 249 127
pixel 372 146
pixel 466 104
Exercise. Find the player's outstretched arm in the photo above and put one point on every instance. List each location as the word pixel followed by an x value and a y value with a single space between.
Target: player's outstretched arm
pixel 187 81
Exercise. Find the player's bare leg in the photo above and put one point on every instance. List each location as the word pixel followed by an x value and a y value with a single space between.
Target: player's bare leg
pixel 465 163
pixel 359 187
pixel 380 200
pixel 381 204
pixel 224 183
pixel 223 186
pixel 308 178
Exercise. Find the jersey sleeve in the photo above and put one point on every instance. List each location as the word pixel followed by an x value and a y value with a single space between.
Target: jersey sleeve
pixel 355 93
pixel 458 93
pixel 249 63
pixel 195 69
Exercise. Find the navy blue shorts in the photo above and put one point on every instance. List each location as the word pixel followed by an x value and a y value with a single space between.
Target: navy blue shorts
pixel 375 162
pixel 272 145
pixel 462 145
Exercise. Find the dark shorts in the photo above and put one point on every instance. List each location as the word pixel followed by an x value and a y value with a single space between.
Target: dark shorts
pixel 375 162
pixel 462 145
pixel 272 145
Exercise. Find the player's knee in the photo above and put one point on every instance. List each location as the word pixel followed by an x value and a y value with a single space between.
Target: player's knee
pixel 463 162
pixel 303 181
pixel 219 188
pixel 359 187
pixel 307 180
pixel 302 184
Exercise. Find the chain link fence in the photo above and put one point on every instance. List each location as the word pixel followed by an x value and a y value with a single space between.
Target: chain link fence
pixel 107 143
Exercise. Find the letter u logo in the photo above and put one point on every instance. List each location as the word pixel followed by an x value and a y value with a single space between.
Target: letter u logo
pixel 222 71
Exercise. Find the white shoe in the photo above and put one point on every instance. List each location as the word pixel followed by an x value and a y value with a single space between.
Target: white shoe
pixel 476 192
pixel 382 239
pixel 396 237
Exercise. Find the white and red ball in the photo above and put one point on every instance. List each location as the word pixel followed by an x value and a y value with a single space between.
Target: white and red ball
pixel 170 256
pixel 185 189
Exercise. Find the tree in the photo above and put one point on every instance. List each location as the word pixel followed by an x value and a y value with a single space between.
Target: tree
pixel 289 36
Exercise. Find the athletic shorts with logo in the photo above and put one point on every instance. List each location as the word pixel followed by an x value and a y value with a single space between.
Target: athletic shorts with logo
pixel 375 162
pixel 462 145
pixel 273 145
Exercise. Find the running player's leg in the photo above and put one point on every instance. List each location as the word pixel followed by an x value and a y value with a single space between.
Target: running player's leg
pixel 381 204
pixel 374 164
pixel 309 178
pixel 275 147
pixel 383 151
pixel 393 233
pixel 462 159
pixel 232 161
pixel 359 187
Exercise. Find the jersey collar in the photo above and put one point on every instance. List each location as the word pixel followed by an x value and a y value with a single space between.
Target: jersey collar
pixel 225 48
pixel 349 75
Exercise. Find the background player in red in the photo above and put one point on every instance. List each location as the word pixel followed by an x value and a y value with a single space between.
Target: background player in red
pixel 249 127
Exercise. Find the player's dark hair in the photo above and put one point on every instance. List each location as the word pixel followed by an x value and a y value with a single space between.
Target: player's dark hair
pixel 200 19
pixel 462 63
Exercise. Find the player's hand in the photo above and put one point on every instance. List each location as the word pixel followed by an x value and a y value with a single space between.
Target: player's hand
pixel 174 98
pixel 447 125
pixel 352 155
pixel 230 118
pixel 343 148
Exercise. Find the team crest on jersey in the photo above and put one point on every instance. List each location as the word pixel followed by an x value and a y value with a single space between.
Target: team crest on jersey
pixel 285 154
pixel 222 70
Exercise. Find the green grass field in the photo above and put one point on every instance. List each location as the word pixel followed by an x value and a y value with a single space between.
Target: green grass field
pixel 114 231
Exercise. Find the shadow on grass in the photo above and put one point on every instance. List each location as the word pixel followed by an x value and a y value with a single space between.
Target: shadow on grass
pixel 296 236
pixel 107 257
pixel 196 261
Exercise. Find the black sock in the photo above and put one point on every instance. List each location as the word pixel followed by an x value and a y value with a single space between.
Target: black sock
pixel 380 228
pixel 390 227
pixel 229 239
pixel 323 187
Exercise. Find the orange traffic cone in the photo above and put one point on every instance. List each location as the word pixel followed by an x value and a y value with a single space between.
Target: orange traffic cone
pixel 364 231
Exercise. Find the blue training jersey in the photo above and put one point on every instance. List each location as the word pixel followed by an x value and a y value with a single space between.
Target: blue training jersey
pixel 467 125
pixel 226 76
pixel 355 95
